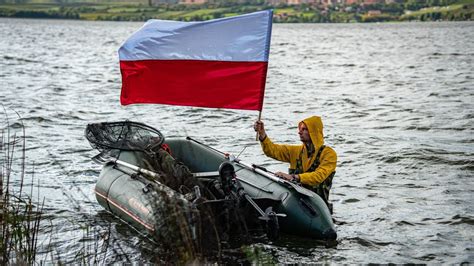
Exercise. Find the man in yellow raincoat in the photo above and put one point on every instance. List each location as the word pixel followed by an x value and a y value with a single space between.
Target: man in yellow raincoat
pixel 312 163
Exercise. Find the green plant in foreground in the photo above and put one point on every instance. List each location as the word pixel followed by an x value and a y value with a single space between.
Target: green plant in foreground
pixel 19 217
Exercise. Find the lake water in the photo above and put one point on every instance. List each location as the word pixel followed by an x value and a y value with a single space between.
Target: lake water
pixel 397 101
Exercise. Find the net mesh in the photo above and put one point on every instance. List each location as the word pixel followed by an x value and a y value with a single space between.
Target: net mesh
pixel 123 135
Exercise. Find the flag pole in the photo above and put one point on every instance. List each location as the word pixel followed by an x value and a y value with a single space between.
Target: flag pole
pixel 259 117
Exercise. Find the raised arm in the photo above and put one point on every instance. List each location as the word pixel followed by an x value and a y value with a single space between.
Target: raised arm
pixel 276 151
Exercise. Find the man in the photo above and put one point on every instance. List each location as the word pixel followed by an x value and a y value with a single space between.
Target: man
pixel 312 164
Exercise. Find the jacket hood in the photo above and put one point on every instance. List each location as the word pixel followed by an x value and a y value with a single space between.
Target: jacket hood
pixel 315 129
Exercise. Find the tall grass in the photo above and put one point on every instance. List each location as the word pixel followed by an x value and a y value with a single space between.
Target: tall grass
pixel 19 216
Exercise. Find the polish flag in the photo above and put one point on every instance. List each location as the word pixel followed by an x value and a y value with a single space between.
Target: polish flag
pixel 220 63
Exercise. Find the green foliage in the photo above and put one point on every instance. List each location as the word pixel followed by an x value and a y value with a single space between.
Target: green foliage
pixel 306 13
pixel 258 256
pixel 456 12
pixel 61 13
pixel 377 18
pixel 392 8
pixel 341 17
pixel 466 2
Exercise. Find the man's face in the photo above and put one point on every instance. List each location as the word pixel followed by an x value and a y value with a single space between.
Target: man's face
pixel 304 133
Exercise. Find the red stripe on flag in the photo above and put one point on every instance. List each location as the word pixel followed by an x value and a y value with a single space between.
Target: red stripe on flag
pixel 216 84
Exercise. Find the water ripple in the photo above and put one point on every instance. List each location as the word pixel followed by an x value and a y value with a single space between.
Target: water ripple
pixel 396 101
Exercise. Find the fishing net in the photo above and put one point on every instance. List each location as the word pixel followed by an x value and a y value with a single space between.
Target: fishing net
pixel 123 135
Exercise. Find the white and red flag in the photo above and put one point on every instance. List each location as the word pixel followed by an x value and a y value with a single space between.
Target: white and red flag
pixel 220 63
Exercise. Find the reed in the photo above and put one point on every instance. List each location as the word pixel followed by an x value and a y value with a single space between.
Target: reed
pixel 19 215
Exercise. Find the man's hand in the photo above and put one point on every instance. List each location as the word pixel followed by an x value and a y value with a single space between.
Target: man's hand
pixel 260 129
pixel 291 178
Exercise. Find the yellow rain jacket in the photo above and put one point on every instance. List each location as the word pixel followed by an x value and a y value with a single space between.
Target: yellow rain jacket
pixel 301 164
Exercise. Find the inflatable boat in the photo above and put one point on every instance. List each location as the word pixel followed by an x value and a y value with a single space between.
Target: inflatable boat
pixel 128 189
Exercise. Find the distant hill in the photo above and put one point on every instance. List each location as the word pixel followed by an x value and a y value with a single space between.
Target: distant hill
pixel 142 10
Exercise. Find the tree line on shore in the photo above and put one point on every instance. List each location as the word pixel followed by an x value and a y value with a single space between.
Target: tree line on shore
pixel 427 10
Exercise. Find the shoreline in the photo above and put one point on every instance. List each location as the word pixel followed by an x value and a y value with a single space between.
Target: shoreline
pixel 282 23
pixel 461 11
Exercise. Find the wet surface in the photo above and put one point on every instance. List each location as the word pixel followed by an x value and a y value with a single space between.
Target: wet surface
pixel 396 101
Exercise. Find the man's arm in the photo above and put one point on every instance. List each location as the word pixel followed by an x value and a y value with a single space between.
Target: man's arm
pixel 276 151
pixel 272 150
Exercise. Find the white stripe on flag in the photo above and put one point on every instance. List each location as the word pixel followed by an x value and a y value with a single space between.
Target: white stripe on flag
pixel 244 38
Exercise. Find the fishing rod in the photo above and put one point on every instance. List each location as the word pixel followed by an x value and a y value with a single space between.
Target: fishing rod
pixel 260 170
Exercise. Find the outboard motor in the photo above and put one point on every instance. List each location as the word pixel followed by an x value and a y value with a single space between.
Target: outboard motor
pixel 226 173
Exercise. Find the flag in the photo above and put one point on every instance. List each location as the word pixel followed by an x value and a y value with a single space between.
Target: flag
pixel 219 63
